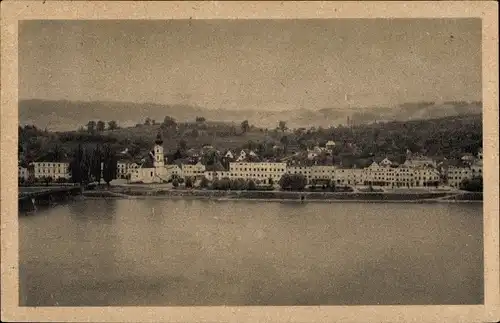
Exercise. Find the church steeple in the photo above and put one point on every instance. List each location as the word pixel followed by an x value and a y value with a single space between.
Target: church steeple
pixel 158 152
pixel 159 140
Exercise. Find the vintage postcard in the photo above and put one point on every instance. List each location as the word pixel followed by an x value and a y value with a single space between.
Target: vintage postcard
pixel 250 161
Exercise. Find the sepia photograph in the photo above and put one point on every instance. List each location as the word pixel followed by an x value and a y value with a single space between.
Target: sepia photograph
pixel 202 162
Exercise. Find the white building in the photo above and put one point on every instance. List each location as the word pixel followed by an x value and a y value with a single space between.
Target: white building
pixel 125 168
pixel 216 174
pixel 195 170
pixel 385 162
pixel 322 172
pixel 349 176
pixel 174 171
pixel 456 175
pixel 229 155
pixel 402 176
pixel 155 171
pixel 51 169
pixel 260 172
pixel 420 161
pixel 312 155
pixel 330 145
pixel 242 156
pixel 469 158
pixel 303 170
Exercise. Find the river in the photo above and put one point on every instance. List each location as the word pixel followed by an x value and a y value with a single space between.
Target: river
pixel 160 252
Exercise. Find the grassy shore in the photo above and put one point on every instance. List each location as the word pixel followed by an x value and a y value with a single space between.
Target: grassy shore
pixel 417 197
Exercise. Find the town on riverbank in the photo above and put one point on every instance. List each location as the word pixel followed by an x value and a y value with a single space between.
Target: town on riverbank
pixel 315 172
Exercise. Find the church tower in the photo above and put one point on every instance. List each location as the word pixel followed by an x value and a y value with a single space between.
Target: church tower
pixel 159 158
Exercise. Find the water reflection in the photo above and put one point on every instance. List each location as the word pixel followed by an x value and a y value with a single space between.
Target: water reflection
pixel 190 252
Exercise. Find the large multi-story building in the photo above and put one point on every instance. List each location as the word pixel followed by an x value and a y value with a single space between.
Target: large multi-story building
pixel 216 174
pixel 401 176
pixel 349 176
pixel 456 175
pixel 54 170
pixel 174 170
pixel 301 169
pixel 419 161
pixel 125 168
pixel 190 170
pixel 320 172
pixel 257 171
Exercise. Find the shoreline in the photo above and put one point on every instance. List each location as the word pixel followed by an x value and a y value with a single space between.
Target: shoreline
pixel 286 196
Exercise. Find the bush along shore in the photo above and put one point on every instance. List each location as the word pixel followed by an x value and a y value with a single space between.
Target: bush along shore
pixel 141 192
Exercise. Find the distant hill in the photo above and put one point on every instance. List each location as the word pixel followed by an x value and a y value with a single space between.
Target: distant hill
pixel 69 115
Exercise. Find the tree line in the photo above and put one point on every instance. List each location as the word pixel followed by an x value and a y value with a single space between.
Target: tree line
pixel 100 126
pixel 88 165
pixel 357 145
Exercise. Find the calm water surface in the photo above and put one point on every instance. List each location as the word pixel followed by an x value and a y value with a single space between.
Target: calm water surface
pixel 191 252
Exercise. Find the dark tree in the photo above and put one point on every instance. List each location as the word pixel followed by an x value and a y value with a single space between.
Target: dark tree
pixel 100 126
pixel 109 171
pixel 188 182
pixel 332 185
pixel 282 126
pixel 168 123
pixel 91 125
pixel 79 166
pixel 204 182
pixel 175 183
pixel 245 126
pixel 96 164
pixel 183 145
pixel 251 185
pixel 285 142
pixel 177 155
pixel 472 185
pixel 57 153
pixel 112 125
pixel 294 182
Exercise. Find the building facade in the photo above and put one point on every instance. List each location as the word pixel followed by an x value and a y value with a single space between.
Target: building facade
pixel 257 171
pixel 125 168
pixel 51 169
pixel 197 170
pixel 154 170
pixel 349 176
pixel 319 172
pixel 303 170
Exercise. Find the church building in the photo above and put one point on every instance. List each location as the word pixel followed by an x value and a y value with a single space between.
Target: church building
pixel 153 169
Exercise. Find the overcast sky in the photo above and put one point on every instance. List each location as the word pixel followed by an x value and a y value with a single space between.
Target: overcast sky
pixel 253 63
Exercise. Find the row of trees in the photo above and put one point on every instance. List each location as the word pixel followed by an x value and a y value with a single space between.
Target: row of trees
pixel 96 164
pixel 100 126
pixel 292 182
pixel 472 185
pixel 298 182
pixel 218 184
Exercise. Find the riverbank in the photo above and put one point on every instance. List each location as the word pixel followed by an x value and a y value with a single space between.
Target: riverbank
pixel 413 197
